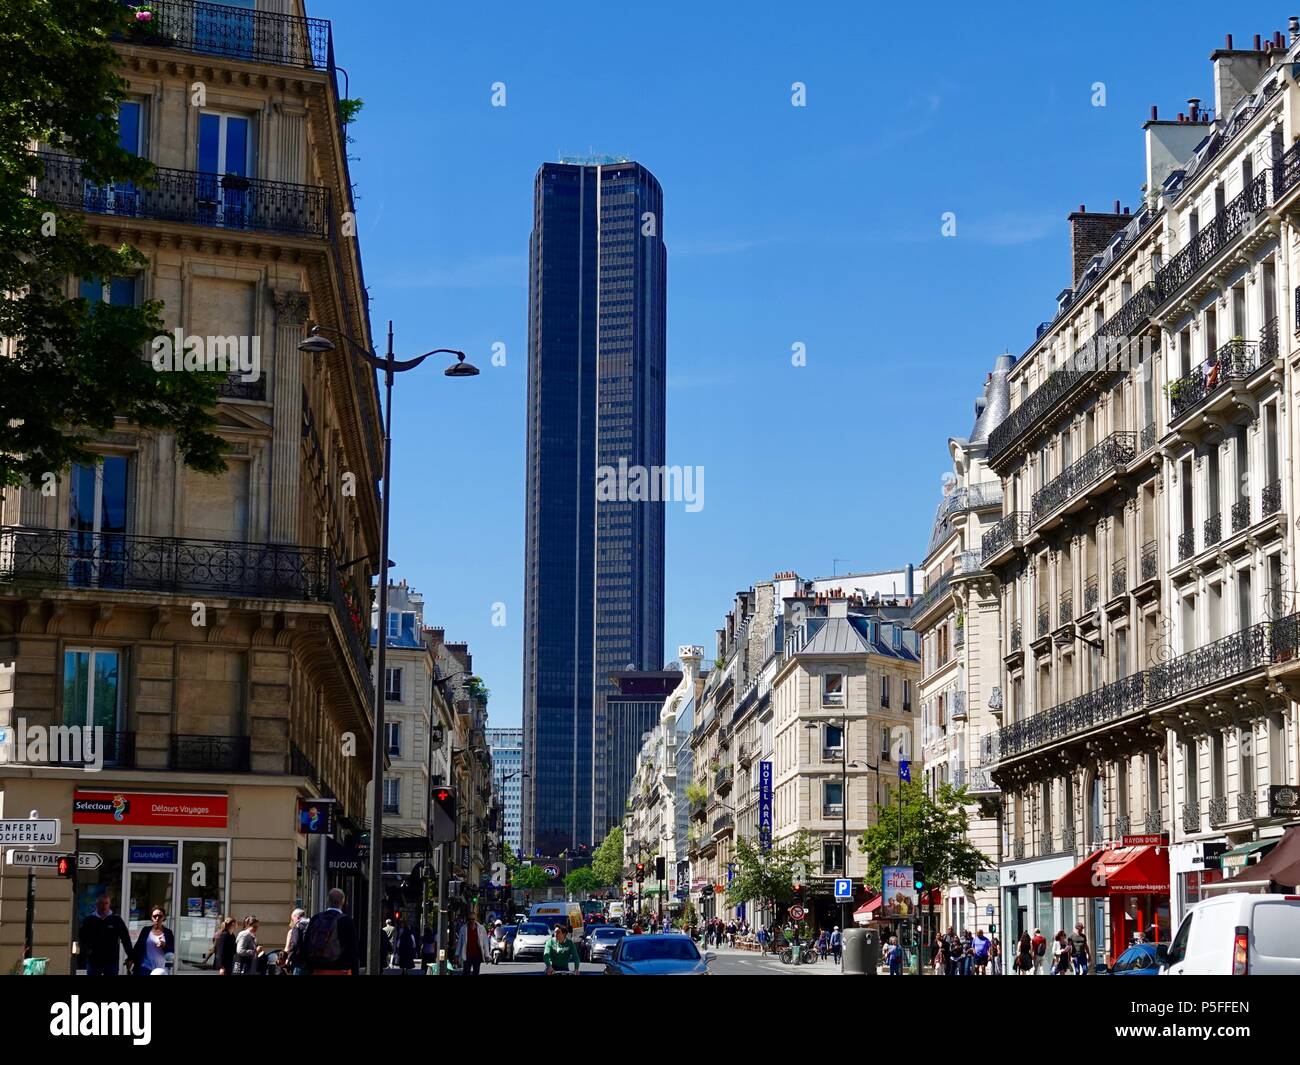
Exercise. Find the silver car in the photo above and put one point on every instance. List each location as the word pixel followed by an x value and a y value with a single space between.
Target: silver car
pixel 603 939
pixel 530 941
pixel 657 955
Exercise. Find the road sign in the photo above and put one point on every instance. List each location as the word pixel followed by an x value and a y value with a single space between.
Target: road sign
pixel 30 832
pixel 48 858
pixel 796 913
pixel 986 878
pixel 844 889
pixel 905 770
pixel 988 910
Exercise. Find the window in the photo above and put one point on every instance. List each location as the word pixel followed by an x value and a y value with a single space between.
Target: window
pixel 394 624
pixel 833 739
pixel 116 291
pixel 130 126
pixel 832 856
pixel 884 743
pixel 884 690
pixel 832 797
pixel 832 689
pixel 907 695
pixel 393 684
pixel 1246 761
pixel 97 518
pixel 92 691
pixel 1191 773
pixel 393 736
pixel 392 795
pixel 224 167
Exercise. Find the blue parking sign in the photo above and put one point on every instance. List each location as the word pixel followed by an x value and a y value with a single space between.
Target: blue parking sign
pixel 905 770
pixel 844 889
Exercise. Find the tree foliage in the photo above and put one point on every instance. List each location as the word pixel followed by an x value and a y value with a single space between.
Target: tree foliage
pixel 607 862
pixel 74 363
pixel 769 876
pixel 529 878
pixel 582 881
pixel 935 831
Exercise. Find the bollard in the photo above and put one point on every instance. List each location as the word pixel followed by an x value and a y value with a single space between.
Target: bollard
pixel 861 951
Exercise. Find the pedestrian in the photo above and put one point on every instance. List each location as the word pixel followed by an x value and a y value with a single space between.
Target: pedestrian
pixel 330 943
pixel 837 945
pixel 981 945
pixel 560 953
pixel 99 937
pixel 894 958
pixel 387 943
pixel 967 953
pixel 1025 955
pixel 823 944
pixel 224 951
pixel 153 945
pixel 404 948
pixel 995 954
pixel 1080 952
pixel 246 949
pixel 1060 954
pixel 762 939
pixel 429 949
pixel 1040 951
pixel 288 960
pixel 941 960
pixel 472 945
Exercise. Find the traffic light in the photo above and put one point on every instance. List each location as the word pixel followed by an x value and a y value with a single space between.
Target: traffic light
pixel 640 872
pixel 67 866
pixel 445 797
pixel 659 868
pixel 798 892
pixel 918 876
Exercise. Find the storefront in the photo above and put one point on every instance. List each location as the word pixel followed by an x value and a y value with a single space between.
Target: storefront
pixel 1193 867
pixel 1134 881
pixel 1027 900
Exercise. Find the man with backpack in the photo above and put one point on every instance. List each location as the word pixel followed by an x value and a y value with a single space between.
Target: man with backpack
pixel 329 943
pixel 1080 952
pixel 1039 945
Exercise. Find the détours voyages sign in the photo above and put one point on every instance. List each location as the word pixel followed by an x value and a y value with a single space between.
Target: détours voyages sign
pixel 145 808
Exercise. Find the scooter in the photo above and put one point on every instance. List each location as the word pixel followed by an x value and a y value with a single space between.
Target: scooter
pixel 498 951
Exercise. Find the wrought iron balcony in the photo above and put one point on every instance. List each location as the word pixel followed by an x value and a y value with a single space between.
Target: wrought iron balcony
pixel 1098 707
pixel 1213 240
pixel 1270 499
pixel 1268 347
pixel 1067 839
pixel 1240 515
pixel 1153 822
pixel 1234 361
pixel 84 748
pixel 1251 648
pixel 1009 532
pixel 236 33
pixel 1245 805
pixel 1044 620
pixel 1065 609
pixel 723 777
pixel 1186 544
pixel 1123 825
pixel 723 822
pixel 209 754
pixel 1018 849
pixel 1218 810
pixel 192 197
pixel 976 780
pixel 1112 454
pixel 1150 565
pixel 1212 530
pixel 1118 577
pixel 234 387
pixel 1147 440
pixel 1287 172
pixel 1091 594
pixel 957 705
pixel 698 806
pixel 931 596
pixel 969 564
pixel 1192 817
pixel 960 501
pixel 1016 638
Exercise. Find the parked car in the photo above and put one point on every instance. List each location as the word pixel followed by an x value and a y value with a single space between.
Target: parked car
pixel 603 939
pixel 530 940
pixel 1238 934
pixel 664 955
pixel 1141 959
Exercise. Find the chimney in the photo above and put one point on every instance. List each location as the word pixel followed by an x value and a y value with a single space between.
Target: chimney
pixel 1169 145
pixel 1089 234
pixel 837 608
pixel 1235 75
pixel 1293 27
pixel 910 580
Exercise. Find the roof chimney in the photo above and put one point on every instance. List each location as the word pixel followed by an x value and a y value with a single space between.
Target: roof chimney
pixel 1235 75
pixel 1089 234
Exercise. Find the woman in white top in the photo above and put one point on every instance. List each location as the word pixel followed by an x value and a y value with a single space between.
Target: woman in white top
pixel 153 945
pixel 246 948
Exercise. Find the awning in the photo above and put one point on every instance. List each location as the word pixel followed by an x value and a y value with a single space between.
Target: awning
pixel 1238 857
pixel 869 907
pixel 1282 864
pixel 1116 871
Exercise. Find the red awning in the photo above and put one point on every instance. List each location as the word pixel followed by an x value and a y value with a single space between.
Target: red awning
pixel 1117 871
pixel 869 907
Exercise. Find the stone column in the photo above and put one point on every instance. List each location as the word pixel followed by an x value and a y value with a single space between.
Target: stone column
pixel 286 399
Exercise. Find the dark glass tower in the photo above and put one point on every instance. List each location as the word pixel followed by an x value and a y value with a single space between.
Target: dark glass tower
pixel 593 581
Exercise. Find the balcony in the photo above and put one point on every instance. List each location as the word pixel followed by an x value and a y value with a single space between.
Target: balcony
pixel 1192 817
pixel 192 197
pixel 698 806
pixel 969 564
pixel 1212 530
pixel 1186 544
pixel 976 780
pixel 1091 594
pixel 1270 499
pixel 1212 241
pixel 1147 440
pixel 115 749
pixel 1067 839
pixel 1065 609
pixel 234 387
pixel 1118 578
pixel 209 754
pixel 957 706
pixel 1254 648
pixel 931 596
pixel 1044 621
pixel 1123 825
pixel 1111 456
pixel 1018 849
pixel 236 33
pixel 1218 810
pixel 1009 533
pixel 1016 638
pixel 1098 707
pixel 1240 515
pixel 1234 361
pixel 1287 171
pixel 723 822
pixel 723 778
pixel 1153 822
pixel 1149 563
pixel 961 501
pixel 1246 806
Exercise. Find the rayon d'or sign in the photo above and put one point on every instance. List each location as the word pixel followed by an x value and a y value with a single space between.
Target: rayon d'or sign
pixel 147 808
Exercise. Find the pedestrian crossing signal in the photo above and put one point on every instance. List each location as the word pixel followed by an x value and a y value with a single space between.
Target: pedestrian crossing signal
pixel 67 866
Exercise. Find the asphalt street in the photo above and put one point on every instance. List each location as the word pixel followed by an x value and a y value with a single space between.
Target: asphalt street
pixel 726 962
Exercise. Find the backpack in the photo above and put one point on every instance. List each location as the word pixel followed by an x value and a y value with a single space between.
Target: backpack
pixel 1040 948
pixel 324 947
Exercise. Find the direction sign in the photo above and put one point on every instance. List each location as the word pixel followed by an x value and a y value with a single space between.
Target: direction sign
pixel 47 858
pixel 905 770
pixel 796 913
pixel 30 832
pixel 844 889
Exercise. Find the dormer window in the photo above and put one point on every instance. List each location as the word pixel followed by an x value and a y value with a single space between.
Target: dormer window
pixel 394 624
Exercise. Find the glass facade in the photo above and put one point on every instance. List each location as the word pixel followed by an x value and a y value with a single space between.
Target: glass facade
pixel 593 570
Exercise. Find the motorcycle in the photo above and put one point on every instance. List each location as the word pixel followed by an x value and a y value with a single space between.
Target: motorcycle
pixel 498 951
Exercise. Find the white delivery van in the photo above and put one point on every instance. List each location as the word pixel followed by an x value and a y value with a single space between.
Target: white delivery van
pixel 1238 934
pixel 615 913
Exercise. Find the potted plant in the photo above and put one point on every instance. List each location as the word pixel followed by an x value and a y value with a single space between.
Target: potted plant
pixel 237 182
pixel 147 27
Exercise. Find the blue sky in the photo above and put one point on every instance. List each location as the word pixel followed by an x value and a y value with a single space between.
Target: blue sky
pixel 817 225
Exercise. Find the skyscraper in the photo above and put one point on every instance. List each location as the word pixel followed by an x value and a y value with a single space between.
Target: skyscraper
pixel 593 595
pixel 506 745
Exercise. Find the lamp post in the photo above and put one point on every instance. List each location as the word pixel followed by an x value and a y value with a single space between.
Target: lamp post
pixel 316 344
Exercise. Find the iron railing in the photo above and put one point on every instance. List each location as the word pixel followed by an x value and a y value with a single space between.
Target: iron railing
pixel 1270 498
pixel 960 500
pixel 1044 620
pixel 723 822
pixel 1234 361
pixel 1287 170
pixel 969 563
pixel 932 595
pixel 1011 530
pixel 1153 822
pixel 1016 637
pixel 1091 594
pixel 958 706
pixel 1118 577
pixel 723 777
pixel 1067 839
pixel 192 197
pixel 1251 648
pixel 1150 555
pixel 236 33
pixel 1213 240
pixel 115 749
pixel 1240 514
pixel 1186 544
pixel 975 779
pixel 1246 805
pixel 1097 707
pixel 1218 810
pixel 1268 348
pixel 1212 530
pixel 1113 453
pixel 209 754
pixel 1148 438
pixel 1123 825
pixel 1018 849
pixel 1192 816
pixel 1065 609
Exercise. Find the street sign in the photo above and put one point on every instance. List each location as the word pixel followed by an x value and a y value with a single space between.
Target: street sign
pixel 844 889
pixel 46 858
pixel 905 770
pixel 986 878
pixel 796 913
pixel 988 910
pixel 30 832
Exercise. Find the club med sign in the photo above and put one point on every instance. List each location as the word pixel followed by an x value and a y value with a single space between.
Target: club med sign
pixel 148 809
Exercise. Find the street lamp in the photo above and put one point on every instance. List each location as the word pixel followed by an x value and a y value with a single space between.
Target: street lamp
pixel 315 344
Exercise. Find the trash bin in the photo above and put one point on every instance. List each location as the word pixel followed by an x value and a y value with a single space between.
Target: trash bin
pixel 861 951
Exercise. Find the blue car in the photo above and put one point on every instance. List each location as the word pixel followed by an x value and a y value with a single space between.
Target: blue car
pixel 658 955
pixel 1141 959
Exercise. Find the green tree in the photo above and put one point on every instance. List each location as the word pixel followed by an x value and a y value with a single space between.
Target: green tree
pixel 582 881
pixel 607 862
pixel 529 878
pixel 76 363
pixel 935 831
pixel 769 876
pixel 509 856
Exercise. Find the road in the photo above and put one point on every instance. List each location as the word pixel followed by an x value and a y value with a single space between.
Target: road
pixel 726 962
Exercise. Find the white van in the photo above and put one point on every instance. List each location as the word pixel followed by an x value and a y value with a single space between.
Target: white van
pixel 1238 934
pixel 615 913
